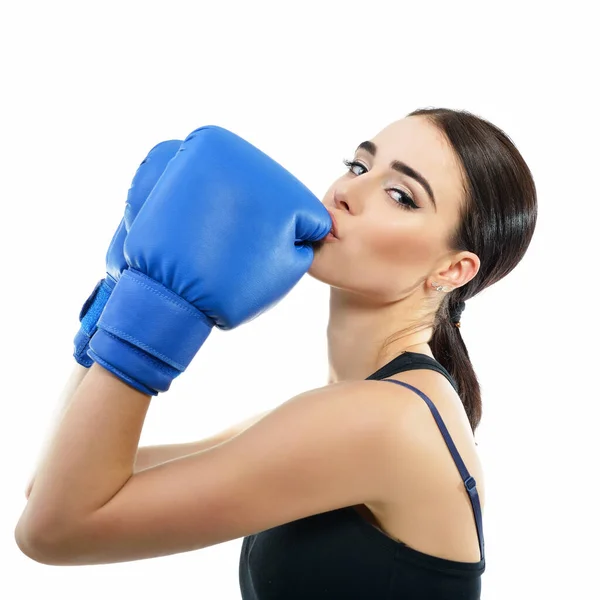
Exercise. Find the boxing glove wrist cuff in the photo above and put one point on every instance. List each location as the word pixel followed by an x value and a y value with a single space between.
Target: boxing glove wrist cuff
pixel 88 317
pixel 130 364
pixel 147 333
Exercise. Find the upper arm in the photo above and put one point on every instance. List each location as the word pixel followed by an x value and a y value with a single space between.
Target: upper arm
pixel 325 449
pixel 243 425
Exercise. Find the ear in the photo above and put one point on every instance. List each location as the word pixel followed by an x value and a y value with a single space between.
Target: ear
pixel 463 267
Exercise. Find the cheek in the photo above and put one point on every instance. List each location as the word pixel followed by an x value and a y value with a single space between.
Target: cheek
pixel 400 247
pixel 380 259
pixel 392 260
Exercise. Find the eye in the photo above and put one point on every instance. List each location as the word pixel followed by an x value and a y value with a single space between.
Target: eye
pixel 353 164
pixel 403 199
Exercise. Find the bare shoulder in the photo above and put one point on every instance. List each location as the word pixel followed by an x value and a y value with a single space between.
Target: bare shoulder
pixel 419 436
pixel 439 390
pixel 427 506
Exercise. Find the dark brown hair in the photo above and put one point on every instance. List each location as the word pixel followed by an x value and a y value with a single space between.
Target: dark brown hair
pixel 497 221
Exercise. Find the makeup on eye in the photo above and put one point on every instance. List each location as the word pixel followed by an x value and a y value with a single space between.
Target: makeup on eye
pixel 397 165
pixel 407 203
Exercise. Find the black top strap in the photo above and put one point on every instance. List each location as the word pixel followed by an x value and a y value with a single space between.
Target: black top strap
pixel 468 480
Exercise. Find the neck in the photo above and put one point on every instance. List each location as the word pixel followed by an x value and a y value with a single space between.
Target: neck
pixel 362 337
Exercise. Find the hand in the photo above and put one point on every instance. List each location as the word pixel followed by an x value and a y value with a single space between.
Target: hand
pixel 145 178
pixel 224 235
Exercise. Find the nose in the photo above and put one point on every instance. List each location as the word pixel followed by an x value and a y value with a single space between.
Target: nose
pixel 350 194
pixel 341 199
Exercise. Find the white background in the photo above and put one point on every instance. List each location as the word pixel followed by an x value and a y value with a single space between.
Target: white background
pixel 88 88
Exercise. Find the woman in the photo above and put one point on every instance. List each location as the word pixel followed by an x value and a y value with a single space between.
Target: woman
pixel 359 489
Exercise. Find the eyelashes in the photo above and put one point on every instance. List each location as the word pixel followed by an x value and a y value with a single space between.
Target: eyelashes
pixel 404 200
pixel 351 164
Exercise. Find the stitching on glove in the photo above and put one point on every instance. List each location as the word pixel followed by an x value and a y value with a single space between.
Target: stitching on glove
pixel 177 301
pixel 162 366
pixel 136 344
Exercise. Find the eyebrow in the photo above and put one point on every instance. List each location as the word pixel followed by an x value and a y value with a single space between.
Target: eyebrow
pixel 403 168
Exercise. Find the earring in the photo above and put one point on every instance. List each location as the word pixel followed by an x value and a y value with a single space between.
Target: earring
pixel 440 288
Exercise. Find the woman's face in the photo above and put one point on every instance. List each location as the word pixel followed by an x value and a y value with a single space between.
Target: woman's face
pixel 391 236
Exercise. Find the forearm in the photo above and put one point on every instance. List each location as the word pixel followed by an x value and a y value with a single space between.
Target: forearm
pixel 76 377
pixel 147 456
pixel 150 456
pixel 90 457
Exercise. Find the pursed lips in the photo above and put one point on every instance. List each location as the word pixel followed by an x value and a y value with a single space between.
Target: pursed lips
pixel 334 229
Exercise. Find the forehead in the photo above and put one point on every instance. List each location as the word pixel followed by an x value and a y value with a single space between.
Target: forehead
pixel 421 145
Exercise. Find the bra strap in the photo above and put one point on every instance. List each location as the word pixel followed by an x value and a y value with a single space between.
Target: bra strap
pixel 468 480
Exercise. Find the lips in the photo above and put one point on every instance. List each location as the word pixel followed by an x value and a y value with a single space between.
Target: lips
pixel 334 230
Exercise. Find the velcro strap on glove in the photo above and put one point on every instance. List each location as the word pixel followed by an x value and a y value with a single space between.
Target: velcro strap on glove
pixel 147 334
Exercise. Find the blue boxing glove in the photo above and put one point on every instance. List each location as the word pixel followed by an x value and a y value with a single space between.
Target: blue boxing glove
pixel 224 235
pixel 144 180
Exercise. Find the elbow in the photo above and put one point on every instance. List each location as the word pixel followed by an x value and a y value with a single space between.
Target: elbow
pixel 30 544
pixel 41 544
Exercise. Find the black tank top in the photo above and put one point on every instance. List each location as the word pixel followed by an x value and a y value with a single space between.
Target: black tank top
pixel 340 555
